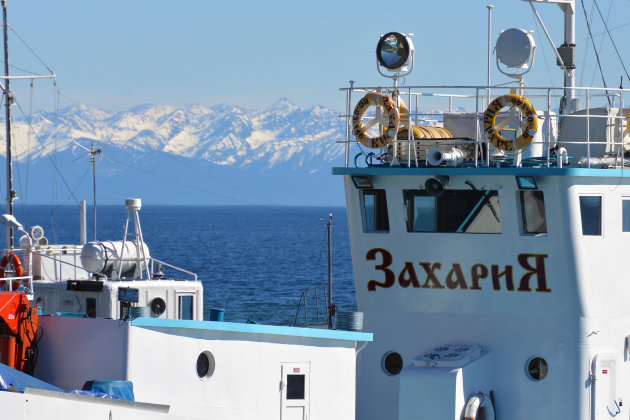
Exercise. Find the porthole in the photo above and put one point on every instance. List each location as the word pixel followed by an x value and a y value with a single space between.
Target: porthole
pixel 537 368
pixel 205 365
pixel 158 306
pixel 392 363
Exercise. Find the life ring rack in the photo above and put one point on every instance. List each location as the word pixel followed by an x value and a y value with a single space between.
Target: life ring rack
pixel 393 119
pixel 17 264
pixel 489 120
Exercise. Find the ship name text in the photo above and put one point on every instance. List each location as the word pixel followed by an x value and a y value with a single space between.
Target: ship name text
pixel 432 275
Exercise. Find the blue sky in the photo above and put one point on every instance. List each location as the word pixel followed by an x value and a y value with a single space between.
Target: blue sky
pixel 116 54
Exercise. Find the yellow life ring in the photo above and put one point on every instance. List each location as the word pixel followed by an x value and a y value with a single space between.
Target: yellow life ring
pixel 489 118
pixel 393 119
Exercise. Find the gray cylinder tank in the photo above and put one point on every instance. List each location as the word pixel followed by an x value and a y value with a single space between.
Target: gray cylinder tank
pixel 103 257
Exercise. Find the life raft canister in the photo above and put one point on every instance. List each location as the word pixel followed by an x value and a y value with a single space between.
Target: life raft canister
pixel 489 119
pixel 393 119
pixel 17 264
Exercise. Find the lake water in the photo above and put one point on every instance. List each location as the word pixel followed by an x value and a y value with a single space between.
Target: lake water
pixel 254 262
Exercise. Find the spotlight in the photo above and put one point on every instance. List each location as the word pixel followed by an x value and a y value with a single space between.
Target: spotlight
pixel 526 182
pixel 362 181
pixel 394 51
pixel 435 186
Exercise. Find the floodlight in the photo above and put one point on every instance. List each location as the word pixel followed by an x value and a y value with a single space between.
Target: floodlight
pixel 394 51
pixel 526 182
pixel 515 47
pixel 435 186
pixel 362 181
pixel 10 221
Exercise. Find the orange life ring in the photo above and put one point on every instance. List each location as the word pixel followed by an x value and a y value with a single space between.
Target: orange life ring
pixel 18 269
pixel 489 119
pixel 393 119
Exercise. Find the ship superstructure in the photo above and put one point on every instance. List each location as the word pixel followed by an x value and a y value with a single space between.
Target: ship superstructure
pixel 489 245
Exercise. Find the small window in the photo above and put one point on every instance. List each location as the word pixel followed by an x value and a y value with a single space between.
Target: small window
pixel 533 212
pixel 295 387
pixel 625 212
pixel 186 307
pixel 375 215
pixel 205 365
pixel 90 307
pixel 537 368
pixel 591 212
pixel 455 211
pixel 392 363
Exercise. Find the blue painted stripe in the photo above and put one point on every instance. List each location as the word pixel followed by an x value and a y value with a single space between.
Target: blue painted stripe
pixel 581 172
pixel 253 329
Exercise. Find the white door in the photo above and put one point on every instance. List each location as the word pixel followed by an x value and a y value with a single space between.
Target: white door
pixel 295 390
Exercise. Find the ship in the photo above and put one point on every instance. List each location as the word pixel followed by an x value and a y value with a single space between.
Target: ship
pixel 487 242
pixel 488 239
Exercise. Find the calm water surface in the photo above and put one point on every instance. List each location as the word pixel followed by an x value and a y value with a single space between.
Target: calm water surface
pixel 254 262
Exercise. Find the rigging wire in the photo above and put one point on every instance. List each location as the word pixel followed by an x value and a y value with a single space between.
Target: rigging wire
pixel 586 50
pixel 588 26
pixel 30 49
pixel 285 209
pixel 611 38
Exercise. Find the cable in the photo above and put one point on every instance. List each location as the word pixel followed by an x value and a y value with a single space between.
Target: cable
pixel 610 36
pixel 588 26
pixel 31 50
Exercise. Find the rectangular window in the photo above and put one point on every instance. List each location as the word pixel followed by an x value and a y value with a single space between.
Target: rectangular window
pixel 591 212
pixel 90 307
pixel 295 387
pixel 533 212
pixel 186 307
pixel 455 211
pixel 375 215
pixel 625 214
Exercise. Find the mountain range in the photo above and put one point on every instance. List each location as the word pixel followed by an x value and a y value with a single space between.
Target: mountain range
pixel 189 155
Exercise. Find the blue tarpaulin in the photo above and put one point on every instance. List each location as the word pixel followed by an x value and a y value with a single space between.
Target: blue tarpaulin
pixel 14 380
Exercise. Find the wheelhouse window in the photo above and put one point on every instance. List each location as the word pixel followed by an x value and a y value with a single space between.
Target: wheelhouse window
pixel 185 305
pixel 455 211
pixel 625 214
pixel 533 212
pixel 591 212
pixel 375 217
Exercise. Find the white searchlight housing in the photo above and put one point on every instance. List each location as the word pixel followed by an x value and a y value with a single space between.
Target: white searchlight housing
pixel 394 51
pixel 515 49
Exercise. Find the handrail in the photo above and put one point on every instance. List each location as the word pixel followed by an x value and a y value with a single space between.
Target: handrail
pixel 103 276
pixel 541 96
pixel 303 297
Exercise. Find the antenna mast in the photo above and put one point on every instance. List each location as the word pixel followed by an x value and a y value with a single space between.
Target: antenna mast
pixel 8 102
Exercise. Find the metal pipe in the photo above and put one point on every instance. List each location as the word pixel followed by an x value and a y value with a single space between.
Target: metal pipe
pixel 489 45
pixel 8 103
pixel 82 222
pixel 330 300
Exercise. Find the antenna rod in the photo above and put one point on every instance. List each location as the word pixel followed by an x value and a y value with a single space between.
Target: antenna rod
pixel 331 308
pixel 92 152
pixel 8 101
pixel 489 45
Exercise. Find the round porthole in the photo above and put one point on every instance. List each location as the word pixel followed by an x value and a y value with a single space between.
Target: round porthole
pixel 205 365
pixel 158 306
pixel 537 368
pixel 392 363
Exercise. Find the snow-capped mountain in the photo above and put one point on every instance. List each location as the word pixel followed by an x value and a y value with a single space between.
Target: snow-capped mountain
pixel 221 135
pixel 272 153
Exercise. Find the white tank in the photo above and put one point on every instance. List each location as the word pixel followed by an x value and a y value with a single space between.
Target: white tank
pixel 102 257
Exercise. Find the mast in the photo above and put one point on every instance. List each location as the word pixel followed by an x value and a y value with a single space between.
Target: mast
pixel 8 102
pixel 566 52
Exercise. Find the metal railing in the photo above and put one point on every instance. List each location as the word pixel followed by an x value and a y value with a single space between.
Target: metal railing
pixel 55 254
pixel 472 101
pixel 303 304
